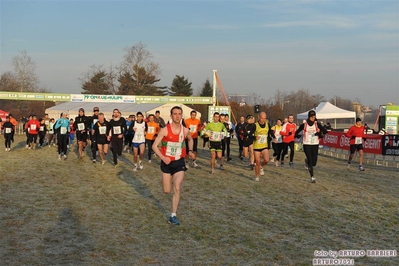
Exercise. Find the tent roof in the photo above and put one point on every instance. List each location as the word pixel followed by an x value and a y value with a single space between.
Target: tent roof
pixel 124 108
pixel 326 110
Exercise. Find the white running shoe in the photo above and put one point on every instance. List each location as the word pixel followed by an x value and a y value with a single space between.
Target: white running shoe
pixel 313 180
pixel 149 161
pixel 103 162
pixel 59 156
pixel 361 168
pixel 257 179
pixel 195 165
pixel 135 168
pixel 187 166
pixel 262 173
pixel 141 166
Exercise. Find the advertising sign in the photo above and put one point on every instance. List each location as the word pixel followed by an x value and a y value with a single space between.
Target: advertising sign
pixel 390 145
pixel 35 96
pixel 392 119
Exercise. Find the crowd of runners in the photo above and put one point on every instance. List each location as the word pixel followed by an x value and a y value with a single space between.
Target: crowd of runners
pixel 176 142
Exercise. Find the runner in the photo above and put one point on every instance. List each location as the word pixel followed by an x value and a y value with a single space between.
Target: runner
pixel 215 131
pixel 8 128
pixel 51 132
pixel 26 129
pixel 33 127
pixel 248 141
pixel 263 134
pixel 81 126
pixel 93 120
pixel 288 133
pixel 172 153
pixel 158 119
pixel 115 134
pixel 152 133
pixel 100 129
pixel 240 136
pixel 312 132
pixel 62 127
pixel 230 130
pixel 72 132
pixel 277 143
pixel 357 137
pixel 140 128
pixel 194 125
pixel 15 123
pixel 42 132
pixel 129 134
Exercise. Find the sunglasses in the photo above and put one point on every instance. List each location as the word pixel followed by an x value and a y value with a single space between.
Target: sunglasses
pixel 96 110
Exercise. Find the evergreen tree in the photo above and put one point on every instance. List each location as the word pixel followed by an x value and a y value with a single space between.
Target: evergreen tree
pixel 207 90
pixel 181 87
pixel 97 84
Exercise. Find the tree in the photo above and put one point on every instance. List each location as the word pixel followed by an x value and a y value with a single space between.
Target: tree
pixel 181 87
pixel 96 81
pixel 145 72
pixel 9 82
pixel 25 74
pixel 207 90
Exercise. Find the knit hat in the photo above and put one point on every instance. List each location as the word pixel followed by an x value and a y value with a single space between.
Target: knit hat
pixel 311 113
pixel 358 119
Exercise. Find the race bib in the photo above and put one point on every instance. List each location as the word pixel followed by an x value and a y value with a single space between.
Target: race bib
pixel 33 127
pixel 215 136
pixel 63 130
pixel 46 122
pixel 262 139
pixel 42 128
pixel 138 138
pixel 102 130
pixel 8 130
pixel 358 140
pixel 151 130
pixel 313 139
pixel 117 130
pixel 193 128
pixel 81 126
pixel 173 149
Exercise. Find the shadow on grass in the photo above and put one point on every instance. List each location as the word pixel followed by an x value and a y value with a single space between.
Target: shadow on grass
pixel 142 189
pixel 68 242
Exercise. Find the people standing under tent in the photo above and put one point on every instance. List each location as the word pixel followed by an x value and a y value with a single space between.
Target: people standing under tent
pixel 240 136
pixel 172 152
pixel 7 128
pixel 42 132
pixel 263 134
pixel 26 129
pixel 93 145
pixel 62 128
pixel 81 125
pixel 50 135
pixel 357 138
pixel 277 143
pixel 227 139
pixel 248 140
pixel 14 122
pixel 33 127
pixel 152 132
pixel 100 129
pixel 72 132
pixel 140 128
pixel 312 132
pixel 158 119
pixel 115 134
pixel 288 133
pixel 215 131
pixel 194 125
pixel 129 134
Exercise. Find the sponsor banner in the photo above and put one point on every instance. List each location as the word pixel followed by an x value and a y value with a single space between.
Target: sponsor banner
pixel 34 96
pixel 373 143
pixel 171 99
pixel 390 145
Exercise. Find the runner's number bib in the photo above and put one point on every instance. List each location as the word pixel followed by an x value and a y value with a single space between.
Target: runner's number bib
pixel 81 126
pixel 173 149
pixel 102 130
pixel 117 130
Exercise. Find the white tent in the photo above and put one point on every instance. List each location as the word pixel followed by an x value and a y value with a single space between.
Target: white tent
pixel 125 108
pixel 326 110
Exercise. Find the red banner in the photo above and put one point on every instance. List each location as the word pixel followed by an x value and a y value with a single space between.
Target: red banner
pixel 333 139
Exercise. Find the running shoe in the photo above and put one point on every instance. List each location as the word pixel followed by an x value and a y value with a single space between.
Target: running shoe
pixel 94 160
pixel 195 165
pixel 141 166
pixel 173 220
pixel 187 166
pixel 65 157
pixel 277 163
pixel 349 165
pixel 59 156
pixel 272 160
pixel 221 167
pixel 361 168
pixel 103 162
pixel 313 180
pixel 257 179
pixel 282 163
pixel 291 164
pixel 135 168
pixel 262 173
pixel 229 159
pixel 149 161
pixel 212 171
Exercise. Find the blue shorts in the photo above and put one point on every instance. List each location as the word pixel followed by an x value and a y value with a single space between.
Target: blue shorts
pixel 137 145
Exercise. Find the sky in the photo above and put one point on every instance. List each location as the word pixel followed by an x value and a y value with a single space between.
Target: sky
pixel 348 49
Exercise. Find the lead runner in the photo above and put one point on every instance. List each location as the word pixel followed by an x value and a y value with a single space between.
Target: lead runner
pixel 173 150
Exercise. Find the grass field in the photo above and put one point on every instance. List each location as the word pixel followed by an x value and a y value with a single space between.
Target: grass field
pixel 79 213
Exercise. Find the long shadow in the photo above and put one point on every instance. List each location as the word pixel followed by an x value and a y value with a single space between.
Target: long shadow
pixel 68 243
pixel 138 185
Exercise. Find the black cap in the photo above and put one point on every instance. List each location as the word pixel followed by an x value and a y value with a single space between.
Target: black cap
pixel 311 113
pixel 248 117
pixel 358 119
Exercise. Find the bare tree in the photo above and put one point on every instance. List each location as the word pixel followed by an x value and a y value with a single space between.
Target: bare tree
pixel 9 82
pixel 25 74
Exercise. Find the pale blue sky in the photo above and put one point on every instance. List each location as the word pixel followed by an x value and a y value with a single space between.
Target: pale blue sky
pixel 333 48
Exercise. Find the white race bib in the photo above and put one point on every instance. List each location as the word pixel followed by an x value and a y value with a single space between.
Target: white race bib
pixel 63 130
pixel 193 128
pixel 139 138
pixel 8 130
pixel 117 130
pixel 151 130
pixel 102 130
pixel 33 127
pixel 42 128
pixel 215 136
pixel 81 126
pixel 46 122
pixel 358 140
pixel 262 139
pixel 173 149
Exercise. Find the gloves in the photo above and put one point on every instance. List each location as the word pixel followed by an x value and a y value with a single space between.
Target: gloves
pixel 297 136
pixel 319 134
pixel 290 133
pixel 353 137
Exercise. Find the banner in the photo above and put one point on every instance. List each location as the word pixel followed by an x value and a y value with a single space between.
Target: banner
pixel 392 119
pixel 35 96
pixel 373 143
pixel 390 145
pixel 103 98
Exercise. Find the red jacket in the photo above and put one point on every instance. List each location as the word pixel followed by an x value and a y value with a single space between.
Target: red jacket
pixel 286 130
pixel 355 132
pixel 33 126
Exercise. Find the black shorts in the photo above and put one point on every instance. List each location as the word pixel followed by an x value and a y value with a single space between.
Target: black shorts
pixel 195 145
pixel 355 147
pixel 260 150
pixel 215 146
pixel 81 136
pixel 173 167
pixel 247 142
